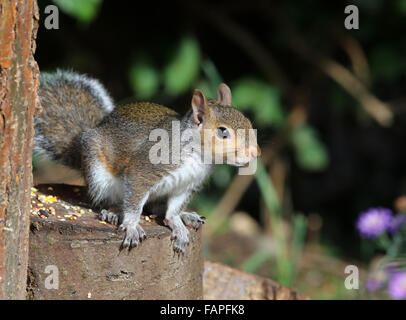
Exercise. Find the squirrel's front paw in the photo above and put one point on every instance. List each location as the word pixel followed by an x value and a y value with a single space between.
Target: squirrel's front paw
pixel 180 237
pixel 133 234
pixel 109 216
pixel 192 219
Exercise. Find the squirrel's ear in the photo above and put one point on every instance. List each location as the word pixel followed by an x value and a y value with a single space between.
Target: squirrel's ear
pixel 200 106
pixel 224 95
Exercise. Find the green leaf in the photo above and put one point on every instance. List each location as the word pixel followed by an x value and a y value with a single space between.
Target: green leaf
pixel 82 10
pixel 298 240
pixel 206 87
pixel 384 241
pixel 260 97
pixel 254 262
pixel 183 68
pixel 268 192
pixel 144 78
pixel 310 152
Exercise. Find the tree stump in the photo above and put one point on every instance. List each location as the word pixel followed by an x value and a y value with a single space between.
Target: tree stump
pixel 224 283
pixel 85 252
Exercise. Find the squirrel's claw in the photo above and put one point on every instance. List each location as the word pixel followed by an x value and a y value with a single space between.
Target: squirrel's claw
pixel 134 234
pixel 108 216
pixel 180 237
pixel 192 219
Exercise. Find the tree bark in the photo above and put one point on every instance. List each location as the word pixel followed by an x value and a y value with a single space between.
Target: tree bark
pixel 18 103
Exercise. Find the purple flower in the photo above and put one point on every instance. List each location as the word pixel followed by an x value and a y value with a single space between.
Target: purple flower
pixel 376 280
pixel 374 222
pixel 396 223
pixel 397 286
pixel 391 269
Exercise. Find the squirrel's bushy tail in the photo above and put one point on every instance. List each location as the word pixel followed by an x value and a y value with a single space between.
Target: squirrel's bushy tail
pixel 71 103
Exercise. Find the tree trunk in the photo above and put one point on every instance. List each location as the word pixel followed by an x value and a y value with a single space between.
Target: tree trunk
pixel 18 103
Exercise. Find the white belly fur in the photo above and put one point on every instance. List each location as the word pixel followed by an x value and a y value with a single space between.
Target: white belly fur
pixel 104 186
pixel 190 175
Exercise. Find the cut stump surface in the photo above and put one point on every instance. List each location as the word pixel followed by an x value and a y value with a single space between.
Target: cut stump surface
pixel 85 252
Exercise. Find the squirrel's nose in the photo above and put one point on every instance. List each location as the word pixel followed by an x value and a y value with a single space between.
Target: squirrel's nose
pixel 254 152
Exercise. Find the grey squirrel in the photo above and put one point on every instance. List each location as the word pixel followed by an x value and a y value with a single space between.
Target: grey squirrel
pixel 81 127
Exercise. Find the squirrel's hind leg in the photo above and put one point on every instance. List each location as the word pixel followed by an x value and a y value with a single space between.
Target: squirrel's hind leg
pixel 104 184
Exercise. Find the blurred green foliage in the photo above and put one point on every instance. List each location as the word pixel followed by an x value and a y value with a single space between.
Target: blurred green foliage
pixel 288 248
pixel 144 77
pixel 178 74
pixel 210 80
pixel 223 176
pixel 401 6
pixel 83 10
pixel 183 67
pixel 256 260
pixel 311 154
pixel 261 98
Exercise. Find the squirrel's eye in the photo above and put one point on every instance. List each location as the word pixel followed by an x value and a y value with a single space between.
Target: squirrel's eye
pixel 223 133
